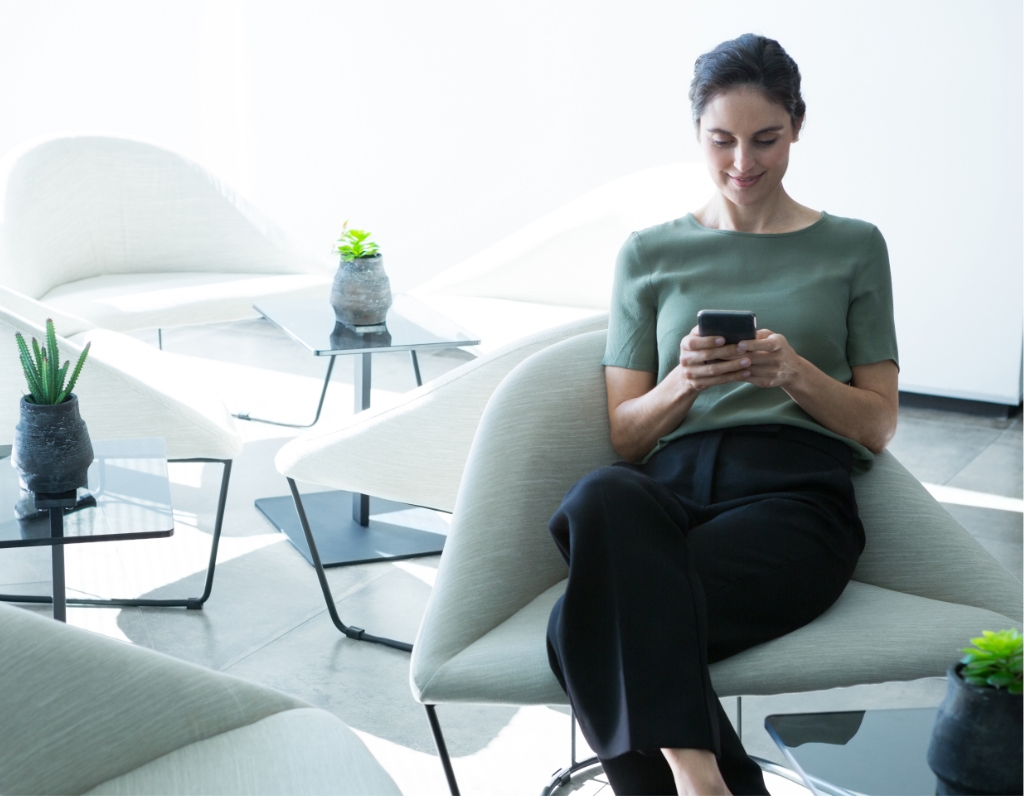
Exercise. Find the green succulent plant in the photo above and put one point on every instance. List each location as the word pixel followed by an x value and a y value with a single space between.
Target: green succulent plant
pixel 994 660
pixel 355 244
pixel 43 372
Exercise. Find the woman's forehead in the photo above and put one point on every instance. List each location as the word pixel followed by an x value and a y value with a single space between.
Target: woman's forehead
pixel 743 110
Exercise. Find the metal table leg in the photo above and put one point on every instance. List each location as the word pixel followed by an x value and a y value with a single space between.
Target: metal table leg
pixel 60 604
pixel 319 406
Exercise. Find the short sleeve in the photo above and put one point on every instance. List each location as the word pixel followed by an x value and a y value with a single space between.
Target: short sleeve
pixel 871 328
pixel 632 320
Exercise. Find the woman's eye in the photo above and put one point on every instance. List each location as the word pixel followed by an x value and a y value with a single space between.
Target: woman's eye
pixel 720 143
pixel 766 143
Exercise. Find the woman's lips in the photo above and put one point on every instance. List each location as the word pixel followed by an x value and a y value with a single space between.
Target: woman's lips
pixel 745 182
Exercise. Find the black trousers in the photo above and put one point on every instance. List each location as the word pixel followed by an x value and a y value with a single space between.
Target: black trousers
pixel 721 541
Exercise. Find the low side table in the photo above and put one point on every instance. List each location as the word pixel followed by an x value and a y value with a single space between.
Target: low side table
pixel 129 497
pixel 879 752
pixel 340 541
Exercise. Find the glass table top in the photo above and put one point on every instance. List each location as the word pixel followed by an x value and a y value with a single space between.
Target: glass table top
pixel 128 497
pixel 410 325
pixel 877 752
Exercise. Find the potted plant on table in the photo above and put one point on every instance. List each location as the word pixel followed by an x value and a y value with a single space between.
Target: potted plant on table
pixel 361 294
pixel 52 451
pixel 977 744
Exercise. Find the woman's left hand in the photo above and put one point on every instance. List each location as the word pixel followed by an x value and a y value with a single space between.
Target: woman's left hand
pixel 773 362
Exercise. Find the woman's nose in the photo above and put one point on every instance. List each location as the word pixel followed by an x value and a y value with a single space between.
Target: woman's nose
pixel 744 159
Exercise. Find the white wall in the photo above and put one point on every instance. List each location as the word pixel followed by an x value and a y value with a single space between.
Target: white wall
pixel 445 125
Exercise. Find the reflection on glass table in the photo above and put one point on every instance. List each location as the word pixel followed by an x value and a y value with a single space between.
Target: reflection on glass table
pixel 876 752
pixel 128 497
pixel 410 326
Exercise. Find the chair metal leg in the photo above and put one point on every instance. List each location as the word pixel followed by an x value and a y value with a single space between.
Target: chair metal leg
pixel 350 631
pixel 416 368
pixel 563 776
pixel 316 417
pixel 160 338
pixel 442 750
pixel 185 602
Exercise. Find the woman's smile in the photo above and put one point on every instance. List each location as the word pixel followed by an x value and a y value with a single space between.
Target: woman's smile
pixel 746 182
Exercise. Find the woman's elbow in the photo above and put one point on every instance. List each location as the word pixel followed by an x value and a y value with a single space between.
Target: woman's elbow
pixel 625 445
pixel 881 435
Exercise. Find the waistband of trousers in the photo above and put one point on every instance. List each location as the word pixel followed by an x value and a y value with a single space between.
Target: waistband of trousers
pixel 835 448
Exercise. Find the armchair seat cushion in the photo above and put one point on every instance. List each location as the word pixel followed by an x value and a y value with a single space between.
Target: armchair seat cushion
pixel 498 322
pixel 870 635
pixel 126 302
pixel 300 751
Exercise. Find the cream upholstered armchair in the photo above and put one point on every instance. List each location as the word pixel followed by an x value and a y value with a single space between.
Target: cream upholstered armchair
pixel 922 586
pixel 126 389
pixel 80 713
pixel 130 236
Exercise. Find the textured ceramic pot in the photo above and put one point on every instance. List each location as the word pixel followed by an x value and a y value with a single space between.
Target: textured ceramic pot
pixel 52 451
pixel 361 294
pixel 977 742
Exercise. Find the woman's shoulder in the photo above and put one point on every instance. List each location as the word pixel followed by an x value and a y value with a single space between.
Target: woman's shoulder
pixel 667 235
pixel 851 230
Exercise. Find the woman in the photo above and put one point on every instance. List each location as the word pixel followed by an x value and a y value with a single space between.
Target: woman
pixel 733 519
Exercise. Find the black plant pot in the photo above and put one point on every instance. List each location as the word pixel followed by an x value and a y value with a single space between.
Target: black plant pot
pixel 361 294
pixel 52 451
pixel 977 744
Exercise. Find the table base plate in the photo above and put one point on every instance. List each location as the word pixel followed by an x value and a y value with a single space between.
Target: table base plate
pixel 340 540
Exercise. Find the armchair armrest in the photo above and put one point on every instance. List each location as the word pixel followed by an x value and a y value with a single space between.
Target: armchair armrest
pixel 544 428
pixel 415 451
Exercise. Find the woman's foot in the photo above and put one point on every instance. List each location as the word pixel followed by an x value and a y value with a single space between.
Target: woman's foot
pixel 696 772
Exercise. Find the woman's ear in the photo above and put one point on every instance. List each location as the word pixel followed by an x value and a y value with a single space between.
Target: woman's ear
pixel 796 130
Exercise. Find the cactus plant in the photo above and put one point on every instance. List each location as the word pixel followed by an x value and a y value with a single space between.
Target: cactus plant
pixel 43 372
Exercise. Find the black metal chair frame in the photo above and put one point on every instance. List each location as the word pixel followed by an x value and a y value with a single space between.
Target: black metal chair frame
pixel 185 602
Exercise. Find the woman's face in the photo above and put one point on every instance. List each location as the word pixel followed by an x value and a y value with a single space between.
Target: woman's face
pixel 745 139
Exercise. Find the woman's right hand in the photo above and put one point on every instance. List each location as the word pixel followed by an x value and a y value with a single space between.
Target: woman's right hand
pixel 699 368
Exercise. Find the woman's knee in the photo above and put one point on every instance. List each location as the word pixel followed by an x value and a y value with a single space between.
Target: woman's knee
pixel 605 490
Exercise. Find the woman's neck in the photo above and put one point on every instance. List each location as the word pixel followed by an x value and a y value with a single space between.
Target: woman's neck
pixel 776 213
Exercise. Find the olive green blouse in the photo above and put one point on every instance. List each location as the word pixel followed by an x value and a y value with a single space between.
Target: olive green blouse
pixel 826 287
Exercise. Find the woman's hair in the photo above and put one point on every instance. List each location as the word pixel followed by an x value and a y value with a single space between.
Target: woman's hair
pixel 749 60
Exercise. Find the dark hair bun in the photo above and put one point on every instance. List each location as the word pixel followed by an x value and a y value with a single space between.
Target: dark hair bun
pixel 749 60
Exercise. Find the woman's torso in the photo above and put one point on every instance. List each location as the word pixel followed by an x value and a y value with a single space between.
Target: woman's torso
pixel 826 288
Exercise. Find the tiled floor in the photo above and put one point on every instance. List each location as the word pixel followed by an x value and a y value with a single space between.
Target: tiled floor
pixel 266 620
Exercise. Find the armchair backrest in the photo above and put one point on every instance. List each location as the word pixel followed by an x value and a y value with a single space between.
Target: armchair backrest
pixel 77 207
pixel 568 257
pixel 546 426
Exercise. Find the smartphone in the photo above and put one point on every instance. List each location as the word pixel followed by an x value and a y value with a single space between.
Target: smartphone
pixel 733 325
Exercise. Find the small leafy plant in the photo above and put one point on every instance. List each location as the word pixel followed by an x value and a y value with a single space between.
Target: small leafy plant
pixel 994 660
pixel 355 244
pixel 43 372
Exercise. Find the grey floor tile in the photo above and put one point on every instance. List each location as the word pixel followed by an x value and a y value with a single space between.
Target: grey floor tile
pixel 1004 526
pixel 256 598
pixel 999 532
pixel 367 684
pixel 936 451
pixel 997 469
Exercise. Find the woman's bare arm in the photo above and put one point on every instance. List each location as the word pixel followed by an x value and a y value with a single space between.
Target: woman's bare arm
pixel 866 410
pixel 641 412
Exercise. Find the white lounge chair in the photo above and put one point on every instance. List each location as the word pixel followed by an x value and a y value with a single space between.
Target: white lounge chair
pixel 922 587
pixel 129 235
pixel 80 713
